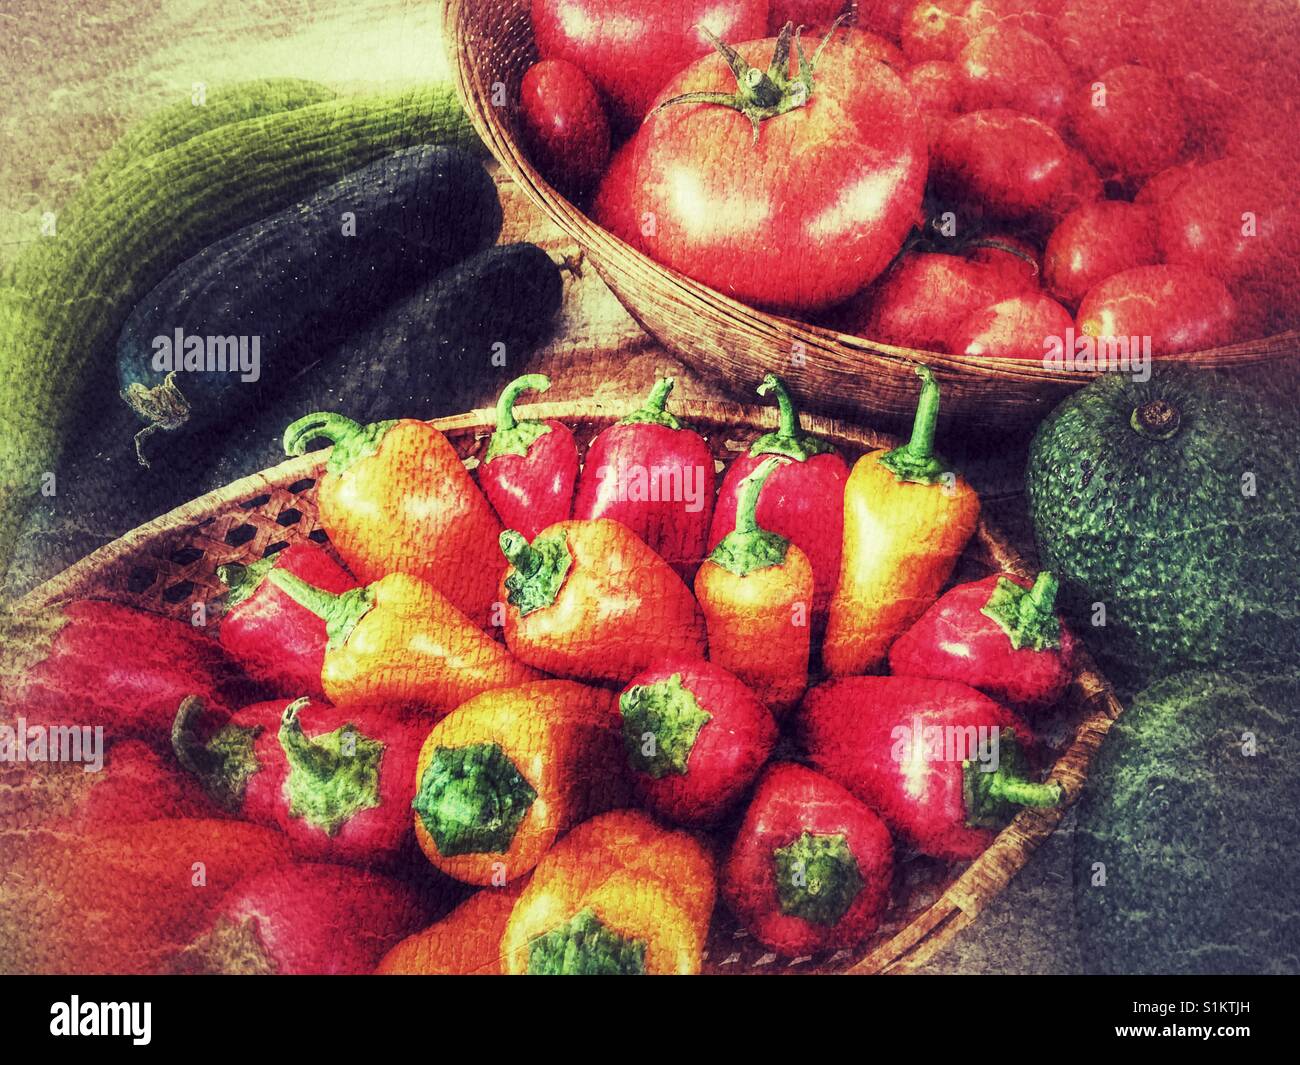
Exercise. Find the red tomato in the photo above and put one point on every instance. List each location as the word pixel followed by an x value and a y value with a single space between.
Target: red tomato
pixel 876 16
pixel 939 29
pixel 1236 220
pixel 631 48
pixel 924 297
pixel 1015 328
pixel 1010 67
pixel 799 218
pixel 1176 308
pixel 564 124
pixel 1003 163
pixel 1093 243
pixel 612 207
pixel 819 14
pixel 1130 123
pixel 1095 35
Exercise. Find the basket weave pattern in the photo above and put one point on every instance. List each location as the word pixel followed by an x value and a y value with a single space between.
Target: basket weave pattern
pixel 170 564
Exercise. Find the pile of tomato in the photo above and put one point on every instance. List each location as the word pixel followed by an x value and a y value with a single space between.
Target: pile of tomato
pixel 976 177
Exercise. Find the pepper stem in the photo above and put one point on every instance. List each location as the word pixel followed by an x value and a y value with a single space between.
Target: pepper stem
pixel 513 437
pixel 750 547
pixel 750 489
pixel 340 612
pixel 515 547
pixel 1024 792
pixel 351 440
pixel 193 756
pixel 302 754
pixel 652 411
pixel 1027 616
pixel 788 439
pixel 529 382
pixel 992 797
pixel 916 460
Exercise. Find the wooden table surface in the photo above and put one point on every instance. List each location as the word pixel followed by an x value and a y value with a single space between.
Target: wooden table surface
pixel 82 76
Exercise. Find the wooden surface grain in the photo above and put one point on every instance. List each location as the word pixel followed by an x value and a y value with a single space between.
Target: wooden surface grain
pixel 80 75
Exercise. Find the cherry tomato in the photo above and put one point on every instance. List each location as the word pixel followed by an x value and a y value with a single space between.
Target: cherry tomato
pixel 1236 219
pixel 1003 163
pixel 1130 123
pixel 923 298
pixel 1010 67
pixel 1178 308
pixel 798 217
pixel 1015 328
pixel 564 124
pixel 631 48
pixel 939 29
pixel 1095 242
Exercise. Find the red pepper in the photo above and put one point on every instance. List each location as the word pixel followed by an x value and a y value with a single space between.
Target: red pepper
pixel 271 636
pixel 304 919
pixel 94 663
pixel 530 467
pixel 941 763
pixel 134 784
pixel 1000 635
pixel 802 501
pixel 695 738
pixel 656 478
pixel 120 898
pixel 338 781
pixel 811 867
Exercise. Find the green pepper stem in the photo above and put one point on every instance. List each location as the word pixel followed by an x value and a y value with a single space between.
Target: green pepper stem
pixel 788 424
pixel 340 612
pixel 658 397
pixel 750 489
pixel 1023 792
pixel 1042 596
pixel 518 553
pixel 529 382
pixel 336 428
pixel 320 602
pixel 302 754
pixel 921 445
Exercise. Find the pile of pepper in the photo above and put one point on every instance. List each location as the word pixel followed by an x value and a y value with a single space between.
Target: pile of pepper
pixel 568 704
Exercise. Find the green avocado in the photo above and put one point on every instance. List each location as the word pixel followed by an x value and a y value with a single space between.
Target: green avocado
pixel 1170 511
pixel 1185 852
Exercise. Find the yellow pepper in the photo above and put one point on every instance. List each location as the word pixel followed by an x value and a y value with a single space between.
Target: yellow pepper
pixel 907 518
pixel 618 894
pixel 501 777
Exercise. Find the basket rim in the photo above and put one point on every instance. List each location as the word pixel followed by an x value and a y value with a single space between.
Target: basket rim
pixel 963 898
pixel 605 246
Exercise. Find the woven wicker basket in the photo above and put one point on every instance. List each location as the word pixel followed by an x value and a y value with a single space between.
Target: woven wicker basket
pixel 491 42
pixel 169 564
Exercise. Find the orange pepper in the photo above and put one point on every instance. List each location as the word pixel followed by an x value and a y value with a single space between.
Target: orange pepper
pixel 756 590
pixel 401 642
pixel 907 518
pixel 617 894
pixel 589 599
pixel 467 942
pixel 501 777
pixel 396 498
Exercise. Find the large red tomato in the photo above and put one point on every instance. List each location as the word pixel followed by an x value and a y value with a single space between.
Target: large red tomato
pixel 630 48
pixel 797 212
pixel 1010 67
pixel 1021 327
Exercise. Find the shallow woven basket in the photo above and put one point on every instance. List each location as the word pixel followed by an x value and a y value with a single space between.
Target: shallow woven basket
pixel 169 564
pixel 491 42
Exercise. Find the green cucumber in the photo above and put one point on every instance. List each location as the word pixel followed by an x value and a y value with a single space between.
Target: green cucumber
pixel 71 293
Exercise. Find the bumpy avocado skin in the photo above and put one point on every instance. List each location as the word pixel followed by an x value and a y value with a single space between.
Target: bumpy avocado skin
pixel 1197 837
pixel 1191 543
